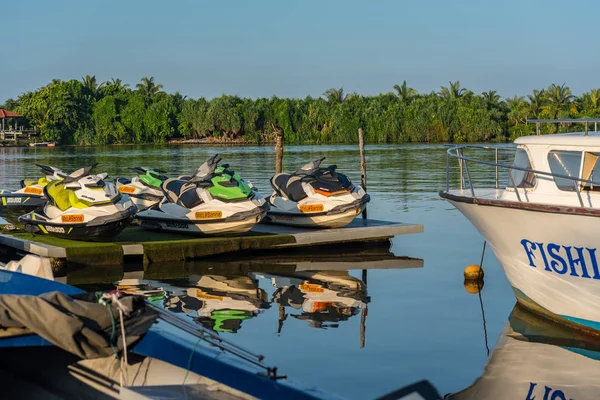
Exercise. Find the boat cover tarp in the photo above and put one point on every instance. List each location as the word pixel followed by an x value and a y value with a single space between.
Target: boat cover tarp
pixel 76 323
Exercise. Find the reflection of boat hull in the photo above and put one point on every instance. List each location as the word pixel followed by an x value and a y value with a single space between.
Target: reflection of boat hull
pixel 551 264
pixel 537 364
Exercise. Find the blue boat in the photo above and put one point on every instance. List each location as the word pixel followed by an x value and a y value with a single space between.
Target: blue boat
pixel 206 363
pixel 154 353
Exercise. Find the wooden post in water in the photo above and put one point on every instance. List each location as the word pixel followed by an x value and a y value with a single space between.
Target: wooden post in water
pixel 279 152
pixel 363 165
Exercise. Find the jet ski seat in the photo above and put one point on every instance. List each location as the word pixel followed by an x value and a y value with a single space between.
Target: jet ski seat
pixel 289 185
pixel 123 181
pixel 28 182
pixel 61 197
pixel 181 193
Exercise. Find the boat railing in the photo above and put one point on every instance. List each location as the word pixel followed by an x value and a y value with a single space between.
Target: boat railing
pixel 456 151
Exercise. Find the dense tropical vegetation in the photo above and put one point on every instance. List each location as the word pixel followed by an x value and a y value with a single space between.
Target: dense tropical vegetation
pixel 89 112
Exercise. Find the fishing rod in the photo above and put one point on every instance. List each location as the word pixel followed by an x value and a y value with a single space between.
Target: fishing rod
pixel 213 338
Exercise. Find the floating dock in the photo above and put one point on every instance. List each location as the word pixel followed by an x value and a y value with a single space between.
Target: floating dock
pixel 137 245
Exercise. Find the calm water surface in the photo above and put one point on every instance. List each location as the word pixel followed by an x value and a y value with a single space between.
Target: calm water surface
pixel 420 323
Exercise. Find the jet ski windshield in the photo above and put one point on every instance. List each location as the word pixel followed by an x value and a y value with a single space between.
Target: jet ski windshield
pixel 309 168
pixel 78 174
pixel 206 170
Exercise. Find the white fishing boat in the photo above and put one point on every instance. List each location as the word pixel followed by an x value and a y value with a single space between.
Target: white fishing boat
pixel 544 226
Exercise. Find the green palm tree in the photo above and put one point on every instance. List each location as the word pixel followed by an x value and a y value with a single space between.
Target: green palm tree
pixel 491 96
pixel 114 86
pixel 518 110
pixel 404 93
pixel 589 103
pixel 558 100
pixel 334 95
pixel 537 102
pixel 90 85
pixel 454 91
pixel 148 88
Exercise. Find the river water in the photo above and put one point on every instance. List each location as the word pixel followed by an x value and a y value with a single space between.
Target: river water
pixel 416 323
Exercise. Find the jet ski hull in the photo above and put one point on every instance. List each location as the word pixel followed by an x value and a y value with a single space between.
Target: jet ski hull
pixel 100 229
pixel 144 201
pixel 337 217
pixel 155 219
pixel 13 205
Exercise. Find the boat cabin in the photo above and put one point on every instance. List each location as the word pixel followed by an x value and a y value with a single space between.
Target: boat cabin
pixel 550 160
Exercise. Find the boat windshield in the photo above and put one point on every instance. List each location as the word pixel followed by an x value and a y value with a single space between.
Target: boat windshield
pixel 523 179
pixel 565 163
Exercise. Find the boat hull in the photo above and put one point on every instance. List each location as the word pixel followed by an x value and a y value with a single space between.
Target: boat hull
pixel 548 254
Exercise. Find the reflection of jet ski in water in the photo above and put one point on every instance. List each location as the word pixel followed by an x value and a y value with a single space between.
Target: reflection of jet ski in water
pixel 214 201
pixel 324 298
pixel 30 196
pixel 315 197
pixel 535 358
pixel 143 189
pixel 82 206
pixel 219 302
pixel 154 294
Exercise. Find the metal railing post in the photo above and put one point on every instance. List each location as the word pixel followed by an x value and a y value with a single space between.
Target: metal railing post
pixel 460 165
pixel 470 181
pixel 576 186
pixel 496 168
pixel 447 172
pixel 514 184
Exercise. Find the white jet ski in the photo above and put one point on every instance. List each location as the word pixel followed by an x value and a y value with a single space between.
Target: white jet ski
pixel 82 206
pixel 315 197
pixel 213 201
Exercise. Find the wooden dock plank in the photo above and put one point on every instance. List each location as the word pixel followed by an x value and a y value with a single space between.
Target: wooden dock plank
pixel 358 230
pixel 164 246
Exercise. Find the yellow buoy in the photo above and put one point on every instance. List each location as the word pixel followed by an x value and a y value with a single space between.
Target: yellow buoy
pixel 473 272
pixel 473 286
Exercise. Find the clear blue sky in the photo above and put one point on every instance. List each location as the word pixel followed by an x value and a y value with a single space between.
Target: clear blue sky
pixel 299 48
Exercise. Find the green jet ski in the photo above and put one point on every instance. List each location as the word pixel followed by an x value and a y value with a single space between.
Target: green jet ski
pixel 213 201
pixel 143 189
pixel 30 196
pixel 82 206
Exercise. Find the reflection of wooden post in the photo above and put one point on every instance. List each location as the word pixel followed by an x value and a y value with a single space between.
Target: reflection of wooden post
pixel 363 165
pixel 279 152
pixel 363 327
pixel 364 276
pixel 281 317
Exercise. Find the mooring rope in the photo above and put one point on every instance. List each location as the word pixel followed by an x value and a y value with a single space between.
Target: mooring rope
pixel 479 279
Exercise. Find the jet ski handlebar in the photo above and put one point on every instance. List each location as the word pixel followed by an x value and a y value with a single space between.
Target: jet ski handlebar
pixel 50 170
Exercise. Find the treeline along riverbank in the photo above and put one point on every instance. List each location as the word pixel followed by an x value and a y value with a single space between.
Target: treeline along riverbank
pixel 88 112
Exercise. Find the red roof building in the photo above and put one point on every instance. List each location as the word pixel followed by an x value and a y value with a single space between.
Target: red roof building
pixel 8 114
